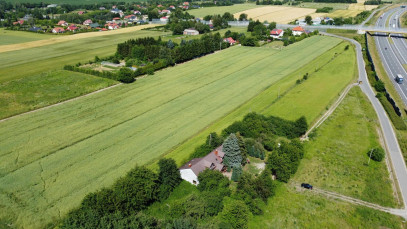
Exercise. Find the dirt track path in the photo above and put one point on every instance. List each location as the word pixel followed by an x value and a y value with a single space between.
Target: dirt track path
pixel 329 112
pixel 59 39
pixel 334 195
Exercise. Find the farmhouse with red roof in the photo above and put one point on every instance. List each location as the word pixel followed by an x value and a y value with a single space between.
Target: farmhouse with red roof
pixel 230 40
pixel 72 28
pixel 87 22
pixel 62 23
pixel 58 30
pixel 297 31
pixel 276 33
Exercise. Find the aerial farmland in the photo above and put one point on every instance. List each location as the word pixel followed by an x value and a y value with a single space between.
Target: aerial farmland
pixel 168 115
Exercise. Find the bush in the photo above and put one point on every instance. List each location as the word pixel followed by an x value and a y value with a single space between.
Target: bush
pixel 397 121
pixel 125 75
pixel 237 173
pixel 376 154
pixel 236 214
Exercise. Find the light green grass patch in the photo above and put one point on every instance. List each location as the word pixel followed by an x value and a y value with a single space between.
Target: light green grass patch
pixel 52 158
pixel 202 12
pixel 8 37
pixel 303 209
pixel 37 91
pixel 266 101
pixel 336 159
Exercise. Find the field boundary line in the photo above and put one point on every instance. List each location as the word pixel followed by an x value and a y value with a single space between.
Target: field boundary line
pixel 60 103
pixel 330 111
pixel 334 195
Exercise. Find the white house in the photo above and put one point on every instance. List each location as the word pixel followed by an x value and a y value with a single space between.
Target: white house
pixel 213 161
pixel 297 31
pixel 192 32
pixel 277 33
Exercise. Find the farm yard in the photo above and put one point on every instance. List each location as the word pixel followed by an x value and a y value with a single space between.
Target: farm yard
pixel 64 152
pixel 279 14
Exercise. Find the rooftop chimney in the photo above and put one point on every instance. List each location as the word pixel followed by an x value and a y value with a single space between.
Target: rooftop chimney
pixel 190 165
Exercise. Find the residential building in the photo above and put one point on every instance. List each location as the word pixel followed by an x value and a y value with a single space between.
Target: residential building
pixel 191 32
pixel 277 33
pixel 58 30
pixel 297 31
pixel 72 28
pixel 87 22
pixel 62 23
pixel 230 40
pixel 213 161
pixel 164 19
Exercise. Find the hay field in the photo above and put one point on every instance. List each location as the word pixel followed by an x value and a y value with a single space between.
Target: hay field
pixel 8 37
pixel 49 160
pixel 279 14
pixel 353 10
pixel 65 38
pixel 202 12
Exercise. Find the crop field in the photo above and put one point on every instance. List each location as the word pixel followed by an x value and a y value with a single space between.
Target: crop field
pixel 14 37
pixel 73 2
pixel 32 61
pixel 32 92
pixel 315 5
pixel 202 12
pixel 292 207
pixel 279 14
pixel 313 95
pixel 353 10
pixel 50 159
pixel 336 159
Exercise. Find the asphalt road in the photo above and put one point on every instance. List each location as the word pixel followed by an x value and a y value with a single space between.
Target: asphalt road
pixel 393 50
pixel 387 129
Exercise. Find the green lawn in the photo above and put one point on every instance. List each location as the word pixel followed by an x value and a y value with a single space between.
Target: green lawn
pixel 41 90
pixel 295 209
pixel 321 88
pixel 14 37
pixel 337 158
pixel 202 12
pixel 52 158
pixel 32 61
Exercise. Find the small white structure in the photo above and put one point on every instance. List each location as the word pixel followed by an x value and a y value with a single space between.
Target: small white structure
pixel 213 161
pixel 191 32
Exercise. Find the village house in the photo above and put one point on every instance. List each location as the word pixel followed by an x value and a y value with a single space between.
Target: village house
pixel 172 7
pixel 62 23
pixel 19 22
pixel 230 40
pixel 87 22
pixel 297 31
pixel 191 32
pixel 136 12
pixel 165 12
pixel 164 19
pixel 81 12
pixel 213 161
pixel 72 28
pixel 112 26
pixel 58 30
pixel 116 19
pixel 277 33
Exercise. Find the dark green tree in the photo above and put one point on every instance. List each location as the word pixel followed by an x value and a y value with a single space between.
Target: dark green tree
pixel 168 176
pixel 231 148
pixel 125 75
pixel 376 154
pixel 243 17
pixel 308 20
pixel 237 173
pixel 236 214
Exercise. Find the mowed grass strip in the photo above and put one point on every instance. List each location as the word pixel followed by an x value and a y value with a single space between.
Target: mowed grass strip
pixel 37 91
pixel 336 159
pixel 32 61
pixel 14 37
pixel 309 98
pixel 52 158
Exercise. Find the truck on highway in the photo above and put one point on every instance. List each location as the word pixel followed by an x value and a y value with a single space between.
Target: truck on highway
pixel 399 78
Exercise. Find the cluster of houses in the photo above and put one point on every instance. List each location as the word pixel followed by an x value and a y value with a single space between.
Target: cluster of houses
pixel 278 33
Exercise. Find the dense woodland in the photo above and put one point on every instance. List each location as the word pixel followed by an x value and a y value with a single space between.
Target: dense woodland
pixel 215 204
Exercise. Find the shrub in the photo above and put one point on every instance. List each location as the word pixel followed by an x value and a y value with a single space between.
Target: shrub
pixel 376 154
pixel 237 173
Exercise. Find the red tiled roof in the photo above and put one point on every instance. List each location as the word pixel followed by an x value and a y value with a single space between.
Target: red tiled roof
pixel 276 31
pixel 299 29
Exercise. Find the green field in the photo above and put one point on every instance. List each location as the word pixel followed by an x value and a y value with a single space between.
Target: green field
pixel 294 209
pixel 202 12
pixel 313 95
pixel 32 61
pixel 14 37
pixel 37 91
pixel 52 158
pixel 337 159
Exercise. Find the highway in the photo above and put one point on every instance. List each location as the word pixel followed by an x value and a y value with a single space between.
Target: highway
pixel 389 135
pixel 393 50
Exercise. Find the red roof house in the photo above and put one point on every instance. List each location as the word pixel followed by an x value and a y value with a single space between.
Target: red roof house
pixel 276 33
pixel 72 27
pixel 186 4
pixel 81 12
pixel 62 23
pixel 87 22
pixel 230 40
pixel 298 31
pixel 58 30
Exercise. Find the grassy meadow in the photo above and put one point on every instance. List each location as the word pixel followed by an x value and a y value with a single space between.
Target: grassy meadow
pixel 336 159
pixel 31 61
pixel 293 207
pixel 50 159
pixel 32 92
pixel 15 37
pixel 313 95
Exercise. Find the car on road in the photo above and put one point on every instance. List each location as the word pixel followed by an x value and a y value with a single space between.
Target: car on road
pixel 307 186
pixel 399 78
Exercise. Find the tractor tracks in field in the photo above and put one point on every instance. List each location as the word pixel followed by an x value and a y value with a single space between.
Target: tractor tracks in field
pixel 337 196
